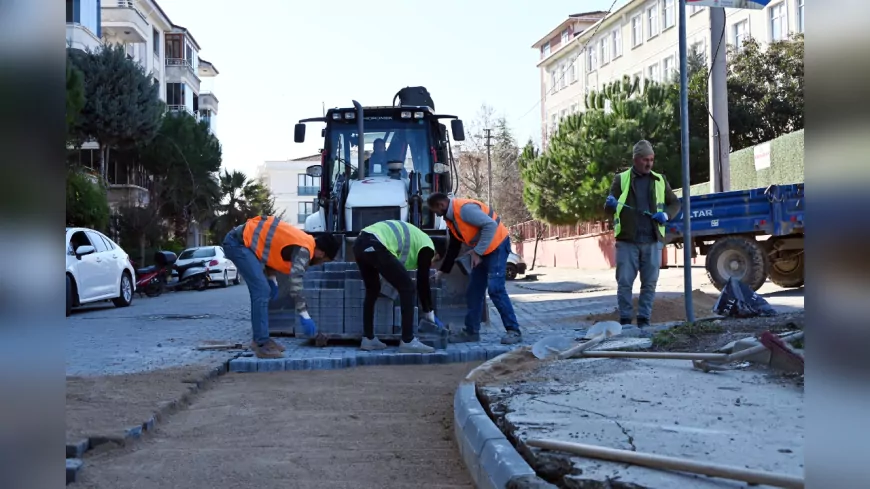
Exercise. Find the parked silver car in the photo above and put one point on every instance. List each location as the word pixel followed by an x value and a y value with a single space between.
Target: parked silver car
pixel 515 266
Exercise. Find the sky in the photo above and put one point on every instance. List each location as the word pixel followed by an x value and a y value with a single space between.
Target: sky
pixel 279 60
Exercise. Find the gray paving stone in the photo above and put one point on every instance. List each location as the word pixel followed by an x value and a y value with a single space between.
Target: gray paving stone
pixel 133 432
pixel 499 463
pixel 77 448
pixel 73 468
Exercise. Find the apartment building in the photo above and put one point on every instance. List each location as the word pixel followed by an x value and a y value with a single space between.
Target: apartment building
pixel 640 39
pixel 168 52
pixel 294 191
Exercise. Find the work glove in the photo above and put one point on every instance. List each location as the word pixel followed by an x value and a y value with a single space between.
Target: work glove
pixel 307 324
pixel 432 318
pixel 660 217
pixel 611 202
pixel 273 286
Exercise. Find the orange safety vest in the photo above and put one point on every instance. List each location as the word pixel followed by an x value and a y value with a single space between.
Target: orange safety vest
pixel 266 236
pixel 469 234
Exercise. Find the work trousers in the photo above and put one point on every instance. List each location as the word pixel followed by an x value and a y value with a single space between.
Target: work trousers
pixel 489 276
pixel 374 261
pixel 631 259
pixel 251 270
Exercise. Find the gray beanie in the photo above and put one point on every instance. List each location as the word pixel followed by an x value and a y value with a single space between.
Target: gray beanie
pixel 642 148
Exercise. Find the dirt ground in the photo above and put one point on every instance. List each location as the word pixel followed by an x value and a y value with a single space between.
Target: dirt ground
pixel 107 405
pixel 668 309
pixel 372 427
pixel 708 336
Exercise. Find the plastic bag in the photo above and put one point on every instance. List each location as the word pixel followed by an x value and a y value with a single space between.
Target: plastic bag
pixel 738 300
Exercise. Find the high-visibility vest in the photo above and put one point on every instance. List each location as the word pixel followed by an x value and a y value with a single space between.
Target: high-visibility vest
pixel 403 240
pixel 469 234
pixel 266 236
pixel 625 184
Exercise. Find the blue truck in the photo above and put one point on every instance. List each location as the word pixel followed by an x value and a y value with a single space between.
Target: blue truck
pixel 752 235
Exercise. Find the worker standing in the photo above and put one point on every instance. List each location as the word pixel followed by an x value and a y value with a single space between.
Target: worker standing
pixel 475 224
pixel 639 230
pixel 389 249
pixel 262 247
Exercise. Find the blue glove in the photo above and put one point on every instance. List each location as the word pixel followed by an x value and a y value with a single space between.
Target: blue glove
pixel 660 217
pixel 611 202
pixel 439 323
pixel 308 326
pixel 273 285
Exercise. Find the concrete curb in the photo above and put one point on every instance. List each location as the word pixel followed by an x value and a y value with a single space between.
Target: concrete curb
pixel 76 450
pixel 489 456
pixel 357 358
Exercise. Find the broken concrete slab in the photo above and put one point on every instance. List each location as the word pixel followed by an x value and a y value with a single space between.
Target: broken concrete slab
pixel 739 418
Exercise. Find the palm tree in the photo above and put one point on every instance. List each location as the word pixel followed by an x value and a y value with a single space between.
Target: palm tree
pixel 241 199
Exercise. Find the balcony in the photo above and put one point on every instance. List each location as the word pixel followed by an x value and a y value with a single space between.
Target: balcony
pixel 179 70
pixel 81 38
pixel 208 101
pixel 180 109
pixel 304 190
pixel 123 22
pixel 129 184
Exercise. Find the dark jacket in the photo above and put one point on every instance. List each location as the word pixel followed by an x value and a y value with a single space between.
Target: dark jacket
pixel 628 217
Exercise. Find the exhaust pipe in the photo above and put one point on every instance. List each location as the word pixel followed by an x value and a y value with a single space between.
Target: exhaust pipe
pixel 360 142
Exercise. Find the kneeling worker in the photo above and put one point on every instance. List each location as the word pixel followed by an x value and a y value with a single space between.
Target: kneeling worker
pixel 390 249
pixel 262 247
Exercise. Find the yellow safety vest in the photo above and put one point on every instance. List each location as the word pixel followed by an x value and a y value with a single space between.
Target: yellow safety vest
pixel 625 182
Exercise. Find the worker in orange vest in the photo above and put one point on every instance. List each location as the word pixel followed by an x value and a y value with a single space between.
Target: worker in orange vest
pixel 263 247
pixel 475 224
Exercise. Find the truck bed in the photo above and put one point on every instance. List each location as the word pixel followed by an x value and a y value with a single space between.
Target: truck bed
pixel 777 210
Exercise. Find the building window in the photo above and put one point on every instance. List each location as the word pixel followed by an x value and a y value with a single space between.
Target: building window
pixel 652 22
pixel 173 46
pixel 668 14
pixel 563 115
pixel 175 95
pixel 591 59
pixel 697 49
pixel 636 31
pixel 553 124
pixel 565 37
pixel 563 72
pixel 616 37
pixel 553 86
pixel 605 51
pixel 573 108
pixel 668 67
pixel 305 210
pixel 155 41
pixel 572 70
pixel 778 19
pixel 307 185
pixel 741 33
pixel 652 73
pixel 695 9
pixel 800 16
pixel 545 49
pixel 637 76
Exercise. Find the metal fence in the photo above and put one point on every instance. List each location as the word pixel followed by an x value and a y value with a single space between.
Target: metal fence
pixel 533 229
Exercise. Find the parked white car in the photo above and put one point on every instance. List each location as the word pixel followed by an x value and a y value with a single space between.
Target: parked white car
pixel 221 269
pixel 515 266
pixel 97 269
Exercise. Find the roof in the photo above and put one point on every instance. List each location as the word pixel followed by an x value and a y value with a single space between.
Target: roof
pixel 308 158
pixel 590 16
pixel 206 65
pixel 187 32
pixel 159 9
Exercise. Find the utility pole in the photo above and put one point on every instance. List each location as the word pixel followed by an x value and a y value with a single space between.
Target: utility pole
pixel 488 169
pixel 688 245
pixel 720 142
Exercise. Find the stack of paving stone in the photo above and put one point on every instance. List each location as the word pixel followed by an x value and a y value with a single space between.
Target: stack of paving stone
pixel 335 294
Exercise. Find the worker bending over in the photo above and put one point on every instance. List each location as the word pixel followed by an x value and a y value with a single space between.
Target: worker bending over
pixel 390 249
pixel 475 224
pixel 263 247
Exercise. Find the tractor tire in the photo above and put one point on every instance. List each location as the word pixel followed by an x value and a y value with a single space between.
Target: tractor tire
pixel 739 257
pixel 788 270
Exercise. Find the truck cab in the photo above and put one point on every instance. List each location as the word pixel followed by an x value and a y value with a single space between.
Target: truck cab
pixel 380 163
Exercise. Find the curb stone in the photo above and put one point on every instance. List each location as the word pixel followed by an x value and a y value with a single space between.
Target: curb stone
pixel 356 358
pixel 490 458
pixel 76 450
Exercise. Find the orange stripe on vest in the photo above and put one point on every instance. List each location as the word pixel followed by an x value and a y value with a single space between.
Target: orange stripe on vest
pixel 268 235
pixel 469 234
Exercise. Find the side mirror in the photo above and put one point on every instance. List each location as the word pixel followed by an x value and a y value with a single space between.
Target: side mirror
pixel 323 132
pixel 84 250
pixel 457 129
pixel 299 133
pixel 314 171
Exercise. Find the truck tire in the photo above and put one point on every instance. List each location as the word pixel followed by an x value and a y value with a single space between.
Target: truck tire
pixel 740 257
pixel 788 270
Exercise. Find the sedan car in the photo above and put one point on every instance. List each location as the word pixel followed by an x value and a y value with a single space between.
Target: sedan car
pixel 220 268
pixel 97 269
pixel 515 266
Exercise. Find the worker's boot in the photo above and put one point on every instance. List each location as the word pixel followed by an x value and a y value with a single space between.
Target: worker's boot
pixel 371 344
pixel 414 346
pixel 274 344
pixel 512 337
pixel 624 321
pixel 642 322
pixel 463 336
pixel 266 351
